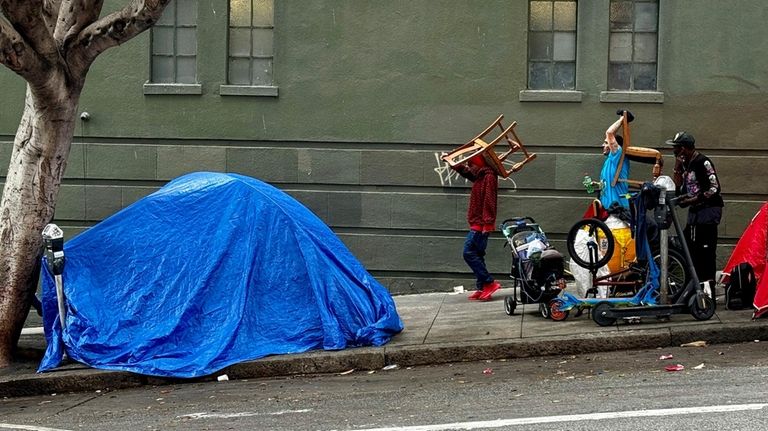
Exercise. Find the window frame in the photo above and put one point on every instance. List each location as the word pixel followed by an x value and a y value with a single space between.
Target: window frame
pixel 229 89
pixel 550 94
pixel 157 88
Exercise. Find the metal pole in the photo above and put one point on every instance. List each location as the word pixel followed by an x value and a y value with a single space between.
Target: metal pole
pixel 663 283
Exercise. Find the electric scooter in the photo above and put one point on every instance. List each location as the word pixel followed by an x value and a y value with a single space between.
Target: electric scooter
pixel 691 299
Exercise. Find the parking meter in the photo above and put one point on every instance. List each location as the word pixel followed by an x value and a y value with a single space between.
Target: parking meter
pixel 662 214
pixel 53 237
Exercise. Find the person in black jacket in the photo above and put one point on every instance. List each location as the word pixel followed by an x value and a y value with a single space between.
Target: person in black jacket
pixel 696 178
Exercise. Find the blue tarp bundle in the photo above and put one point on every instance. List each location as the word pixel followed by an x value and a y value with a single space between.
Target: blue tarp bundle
pixel 211 270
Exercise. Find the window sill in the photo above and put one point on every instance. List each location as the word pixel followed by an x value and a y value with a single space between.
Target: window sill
pixel 248 90
pixel 632 96
pixel 550 96
pixel 152 88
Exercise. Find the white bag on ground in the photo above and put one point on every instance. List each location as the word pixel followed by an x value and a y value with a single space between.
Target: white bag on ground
pixel 582 275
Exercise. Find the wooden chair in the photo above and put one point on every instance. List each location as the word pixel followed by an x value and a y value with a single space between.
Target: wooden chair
pixel 481 145
pixel 636 154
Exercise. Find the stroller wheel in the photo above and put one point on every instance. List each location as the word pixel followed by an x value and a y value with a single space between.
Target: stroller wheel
pixel 509 305
pixel 544 310
pixel 555 310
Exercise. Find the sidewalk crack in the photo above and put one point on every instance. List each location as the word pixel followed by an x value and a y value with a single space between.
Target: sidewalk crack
pixel 440 307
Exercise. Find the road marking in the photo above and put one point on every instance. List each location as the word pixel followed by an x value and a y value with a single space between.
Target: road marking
pixel 238 415
pixel 28 428
pixel 499 423
pixel 32 331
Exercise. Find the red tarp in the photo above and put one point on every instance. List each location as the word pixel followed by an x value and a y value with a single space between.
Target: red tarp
pixel 751 248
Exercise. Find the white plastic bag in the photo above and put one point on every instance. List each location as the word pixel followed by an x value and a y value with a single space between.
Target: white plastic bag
pixel 582 275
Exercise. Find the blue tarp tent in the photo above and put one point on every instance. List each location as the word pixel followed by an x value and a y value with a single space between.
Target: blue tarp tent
pixel 211 270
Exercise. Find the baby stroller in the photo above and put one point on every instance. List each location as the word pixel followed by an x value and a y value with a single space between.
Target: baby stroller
pixel 537 268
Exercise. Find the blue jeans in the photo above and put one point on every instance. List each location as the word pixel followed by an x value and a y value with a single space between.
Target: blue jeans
pixel 474 255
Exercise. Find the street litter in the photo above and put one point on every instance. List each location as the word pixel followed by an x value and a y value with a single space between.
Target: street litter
pixel 390 367
pixel 699 367
pixel 344 373
pixel 663 357
pixel 676 367
pixel 458 289
pixel 223 378
pixel 488 371
pixel 695 344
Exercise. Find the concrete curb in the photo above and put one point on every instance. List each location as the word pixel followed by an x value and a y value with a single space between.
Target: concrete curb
pixel 375 358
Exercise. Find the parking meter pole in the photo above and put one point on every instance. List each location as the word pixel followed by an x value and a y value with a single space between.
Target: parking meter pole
pixel 54 248
pixel 663 282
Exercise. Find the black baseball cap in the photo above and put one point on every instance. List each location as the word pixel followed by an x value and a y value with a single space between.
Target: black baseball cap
pixel 683 139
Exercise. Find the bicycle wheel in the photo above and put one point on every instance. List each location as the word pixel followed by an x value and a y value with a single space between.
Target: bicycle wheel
pixel 677 271
pixel 598 236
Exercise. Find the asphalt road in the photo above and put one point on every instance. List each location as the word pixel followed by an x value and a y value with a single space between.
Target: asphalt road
pixel 606 391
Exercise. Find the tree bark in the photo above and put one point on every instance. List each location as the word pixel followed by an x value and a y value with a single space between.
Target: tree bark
pixel 39 157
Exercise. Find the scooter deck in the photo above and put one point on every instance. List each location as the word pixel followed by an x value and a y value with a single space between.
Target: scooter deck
pixel 650 310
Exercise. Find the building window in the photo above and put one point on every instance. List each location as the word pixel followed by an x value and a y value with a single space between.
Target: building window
pixel 174 44
pixel 251 26
pixel 552 45
pixel 632 56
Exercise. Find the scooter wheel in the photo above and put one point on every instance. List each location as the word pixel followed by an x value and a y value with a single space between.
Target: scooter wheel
pixel 509 305
pixel 556 311
pixel 702 306
pixel 599 314
pixel 544 310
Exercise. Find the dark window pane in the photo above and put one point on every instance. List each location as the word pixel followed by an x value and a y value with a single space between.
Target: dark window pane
pixel 186 14
pixel 621 15
pixel 539 46
pixel 646 16
pixel 541 15
pixel 565 16
pixel 240 42
pixel 162 70
pixel 262 41
pixel 185 70
pixel 645 47
pixel 162 40
pixel 169 15
pixel 539 76
pixel 565 76
pixel 240 71
pixel 645 77
pixel 186 38
pixel 262 71
pixel 619 76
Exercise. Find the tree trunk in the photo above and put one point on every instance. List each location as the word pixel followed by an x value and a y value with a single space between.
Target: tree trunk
pixel 39 157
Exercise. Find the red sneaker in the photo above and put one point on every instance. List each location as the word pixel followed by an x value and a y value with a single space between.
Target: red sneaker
pixel 488 290
pixel 475 295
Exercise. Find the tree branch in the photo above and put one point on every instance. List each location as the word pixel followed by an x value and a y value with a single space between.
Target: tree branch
pixel 116 28
pixel 73 16
pixel 18 56
pixel 26 16
pixel 51 14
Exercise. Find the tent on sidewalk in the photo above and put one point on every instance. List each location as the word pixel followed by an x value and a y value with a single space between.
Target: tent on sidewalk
pixel 211 270
pixel 751 248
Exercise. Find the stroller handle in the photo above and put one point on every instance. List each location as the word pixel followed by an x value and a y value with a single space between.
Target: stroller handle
pixel 516 220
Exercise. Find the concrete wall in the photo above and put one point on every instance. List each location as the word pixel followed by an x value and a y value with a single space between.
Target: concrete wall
pixel 369 91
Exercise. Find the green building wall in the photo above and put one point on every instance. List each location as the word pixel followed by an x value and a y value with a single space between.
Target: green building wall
pixel 368 93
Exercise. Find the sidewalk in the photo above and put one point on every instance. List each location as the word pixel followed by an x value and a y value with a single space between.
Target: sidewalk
pixel 439 328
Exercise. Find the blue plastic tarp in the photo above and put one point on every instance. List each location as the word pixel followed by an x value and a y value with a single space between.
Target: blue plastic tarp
pixel 211 270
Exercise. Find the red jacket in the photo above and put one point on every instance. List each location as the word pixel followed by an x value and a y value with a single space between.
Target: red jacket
pixel 481 213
